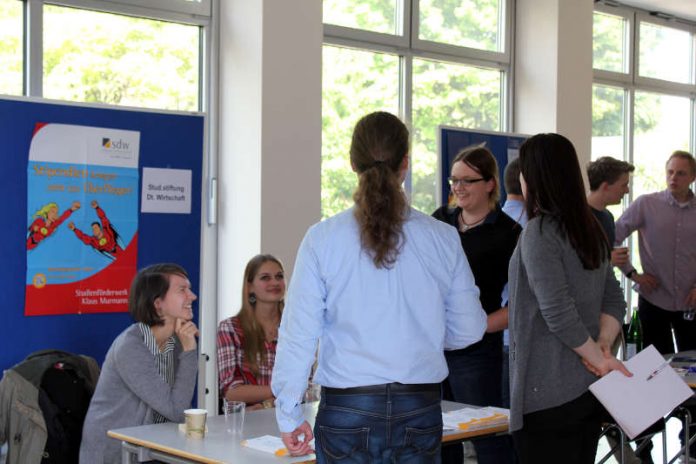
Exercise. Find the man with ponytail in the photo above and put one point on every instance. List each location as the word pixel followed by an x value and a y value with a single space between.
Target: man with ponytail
pixel 382 289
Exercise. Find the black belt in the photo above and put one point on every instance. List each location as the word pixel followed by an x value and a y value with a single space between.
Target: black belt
pixel 385 388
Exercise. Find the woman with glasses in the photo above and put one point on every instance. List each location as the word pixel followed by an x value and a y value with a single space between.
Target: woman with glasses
pixel 382 289
pixel 566 309
pixel 488 237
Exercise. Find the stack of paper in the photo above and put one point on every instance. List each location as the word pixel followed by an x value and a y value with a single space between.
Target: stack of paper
pixel 475 418
pixel 268 444
pixel 651 393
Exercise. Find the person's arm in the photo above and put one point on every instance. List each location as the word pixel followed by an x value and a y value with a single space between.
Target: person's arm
pixel 301 326
pixel 250 394
pixel 543 258
pixel 497 320
pixel 465 319
pixel 542 253
pixel 631 220
pixel 102 218
pixel 613 312
pixel 599 363
pixel 66 214
pixel 84 238
pixel 691 298
pixel 134 364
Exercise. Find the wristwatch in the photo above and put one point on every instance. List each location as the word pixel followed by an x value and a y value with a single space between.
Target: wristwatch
pixel 630 273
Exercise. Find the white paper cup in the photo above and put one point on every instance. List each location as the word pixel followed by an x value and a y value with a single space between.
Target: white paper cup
pixel 195 422
pixel 234 416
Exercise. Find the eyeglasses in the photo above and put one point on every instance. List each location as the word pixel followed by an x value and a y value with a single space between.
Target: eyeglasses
pixel 454 182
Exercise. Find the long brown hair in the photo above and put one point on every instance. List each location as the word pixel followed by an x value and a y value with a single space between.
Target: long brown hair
pixel 377 150
pixel 254 336
pixel 551 170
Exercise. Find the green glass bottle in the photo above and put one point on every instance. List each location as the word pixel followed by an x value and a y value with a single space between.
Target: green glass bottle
pixel 634 336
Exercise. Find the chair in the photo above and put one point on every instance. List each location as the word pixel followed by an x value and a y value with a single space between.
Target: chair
pixel 43 402
pixel 618 449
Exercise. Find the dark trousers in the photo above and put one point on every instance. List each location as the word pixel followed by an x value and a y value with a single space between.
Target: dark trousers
pixel 379 428
pixel 658 324
pixel 568 433
pixel 475 377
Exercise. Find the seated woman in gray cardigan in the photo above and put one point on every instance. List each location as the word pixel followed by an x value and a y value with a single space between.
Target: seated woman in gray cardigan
pixel 566 309
pixel 150 370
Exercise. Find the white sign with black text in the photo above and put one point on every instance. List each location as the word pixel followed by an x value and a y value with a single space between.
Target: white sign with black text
pixel 166 191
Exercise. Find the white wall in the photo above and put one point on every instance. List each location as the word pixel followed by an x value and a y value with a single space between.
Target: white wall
pixel 553 70
pixel 270 134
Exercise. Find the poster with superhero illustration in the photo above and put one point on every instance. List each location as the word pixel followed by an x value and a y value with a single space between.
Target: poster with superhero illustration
pixel 82 219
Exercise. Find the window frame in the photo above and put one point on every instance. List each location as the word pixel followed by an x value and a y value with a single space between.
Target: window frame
pixel 628 16
pixel 406 46
pixel 661 84
pixel 501 58
pixel 177 11
pixel 631 83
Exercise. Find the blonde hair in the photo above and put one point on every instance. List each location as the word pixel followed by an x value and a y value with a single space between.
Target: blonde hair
pixel 43 211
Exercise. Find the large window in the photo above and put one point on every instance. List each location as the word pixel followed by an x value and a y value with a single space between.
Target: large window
pixel 643 105
pixel 11 33
pixel 469 23
pixel 449 94
pixel 109 53
pixel 447 64
pixel 355 82
pixel 107 58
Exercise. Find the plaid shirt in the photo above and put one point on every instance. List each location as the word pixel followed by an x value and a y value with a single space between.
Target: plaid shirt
pixel 233 370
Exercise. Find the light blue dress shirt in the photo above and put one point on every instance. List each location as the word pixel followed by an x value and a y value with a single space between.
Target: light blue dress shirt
pixel 374 326
pixel 516 210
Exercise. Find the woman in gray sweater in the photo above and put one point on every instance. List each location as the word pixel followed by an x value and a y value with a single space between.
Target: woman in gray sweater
pixel 566 309
pixel 150 370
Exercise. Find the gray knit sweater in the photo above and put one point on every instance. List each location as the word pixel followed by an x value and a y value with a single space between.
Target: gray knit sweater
pixel 129 390
pixel 555 305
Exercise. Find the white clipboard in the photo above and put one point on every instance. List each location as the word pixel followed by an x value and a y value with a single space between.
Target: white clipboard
pixel 637 402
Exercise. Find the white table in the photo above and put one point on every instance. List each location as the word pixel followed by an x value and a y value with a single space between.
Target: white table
pixel 690 379
pixel 165 442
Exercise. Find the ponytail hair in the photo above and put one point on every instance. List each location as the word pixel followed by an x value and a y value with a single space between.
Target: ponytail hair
pixel 377 151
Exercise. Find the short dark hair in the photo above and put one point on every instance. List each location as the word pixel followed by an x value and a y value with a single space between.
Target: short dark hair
pixel 149 284
pixel 685 155
pixel 511 177
pixel 607 169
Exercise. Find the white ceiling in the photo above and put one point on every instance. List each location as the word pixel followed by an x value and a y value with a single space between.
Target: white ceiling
pixel 680 8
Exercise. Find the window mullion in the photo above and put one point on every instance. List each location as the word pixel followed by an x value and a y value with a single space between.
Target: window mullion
pixel 33 46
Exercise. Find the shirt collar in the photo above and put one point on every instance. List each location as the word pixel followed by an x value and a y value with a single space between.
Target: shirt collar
pixel 151 342
pixel 690 203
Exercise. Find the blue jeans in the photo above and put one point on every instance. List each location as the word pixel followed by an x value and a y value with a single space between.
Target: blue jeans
pixel 379 428
pixel 475 378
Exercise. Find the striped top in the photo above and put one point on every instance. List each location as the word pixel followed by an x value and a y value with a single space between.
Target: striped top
pixel 164 360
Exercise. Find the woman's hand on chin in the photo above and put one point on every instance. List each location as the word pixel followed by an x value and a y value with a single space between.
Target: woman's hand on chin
pixel 187 333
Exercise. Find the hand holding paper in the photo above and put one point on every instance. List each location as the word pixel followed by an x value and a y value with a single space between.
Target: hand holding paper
pixel 652 393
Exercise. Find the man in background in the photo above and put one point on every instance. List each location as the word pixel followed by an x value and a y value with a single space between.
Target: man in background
pixel 514 202
pixel 609 179
pixel 666 225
